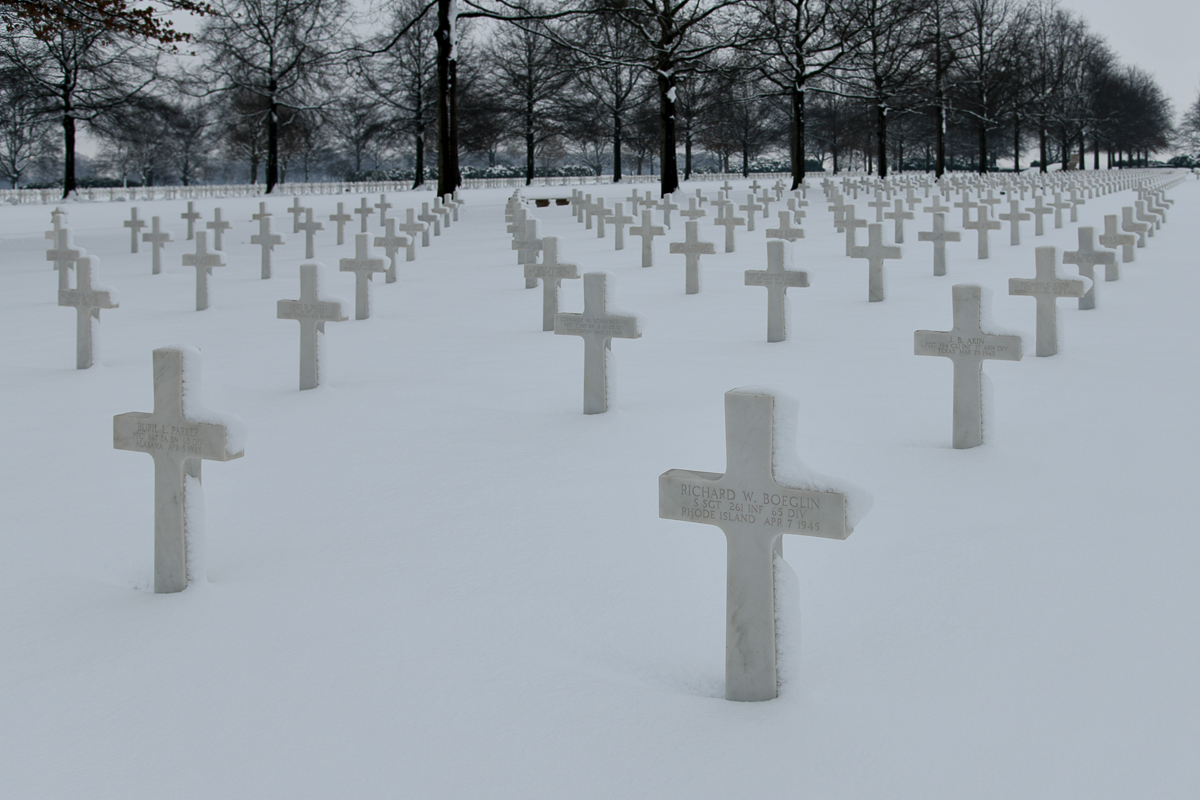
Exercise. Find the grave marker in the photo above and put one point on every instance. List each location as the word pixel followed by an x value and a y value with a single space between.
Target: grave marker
pixel 364 212
pixel 1112 238
pixel 551 272
pixel 981 226
pixel 191 216
pixel 178 434
pixel 297 211
pixel 1014 218
pixel 939 236
pixel 312 311
pixel 391 244
pixel 899 215
pixel 134 224
pixel 1086 258
pixel 785 230
pixel 1039 211
pixel 157 238
pixel 64 255
pixel 726 219
pixel 310 227
pixel 363 267
pixel 383 205
pixel 1046 287
pixel 875 252
pixel 762 494
pixel 341 218
pixel 218 226
pixel 968 345
pixel 410 227
pixel 777 278
pixel 619 221
pixel 597 326
pixel 647 231
pixel 267 240
pixel 87 300
pixel 691 249
pixel 203 260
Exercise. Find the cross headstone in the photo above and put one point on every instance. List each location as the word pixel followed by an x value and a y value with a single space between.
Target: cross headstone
pixel 364 212
pixel 134 224
pixel 726 219
pixel 1046 287
pixel 647 231
pixel 1039 211
pixel 432 221
pixel 966 205
pixel 410 227
pixel 597 326
pixel 178 434
pixel 693 211
pixel 851 223
pixel 981 226
pixel 391 244
pixel 1059 205
pixel 1086 258
pixel 262 212
pixel 87 300
pixel 1129 226
pixel 63 255
pixel 875 252
pixel 440 208
pixel 297 211
pixel 1113 238
pixel 667 205
pixel 751 208
pixel 785 230
pixel 777 278
pixel 203 260
pixel 691 248
pixel 634 201
pixel 312 311
pixel 363 266
pixel 157 238
pixel 218 226
pixel 939 236
pixel 602 214
pixel 1014 218
pixel 383 205
pixel 191 216
pixel 527 244
pixel 310 227
pixel 551 272
pixel 267 241
pixel 879 204
pixel 968 345
pixel 754 502
pixel 341 218
pixel 619 221
pixel 936 206
pixel 899 215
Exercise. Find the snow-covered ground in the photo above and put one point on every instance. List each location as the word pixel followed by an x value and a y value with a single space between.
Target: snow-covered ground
pixel 434 577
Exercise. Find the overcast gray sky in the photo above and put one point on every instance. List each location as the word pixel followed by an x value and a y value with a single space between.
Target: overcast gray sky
pixel 1160 36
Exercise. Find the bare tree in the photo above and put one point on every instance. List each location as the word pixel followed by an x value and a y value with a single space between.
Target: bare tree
pixel 24 127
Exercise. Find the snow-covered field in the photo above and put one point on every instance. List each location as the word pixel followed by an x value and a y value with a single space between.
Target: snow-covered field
pixel 434 577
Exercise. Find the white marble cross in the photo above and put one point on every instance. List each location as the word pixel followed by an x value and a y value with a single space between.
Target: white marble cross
pixel 597 326
pixel 526 242
pixel 1014 218
pixel 1046 287
pixel 218 226
pixel 297 211
pixel 63 254
pixel 134 224
pixel 875 252
pixel 363 266
pixel 341 218
pixel 1113 238
pixel 693 211
pixel 619 220
pixel 1059 205
pixel 966 205
pixel 203 260
pixel 939 236
pixel 1086 258
pixel 850 224
pixel 191 216
pixel 785 230
pixel 751 208
pixel 364 212
pixel 443 211
pixel 879 204
pixel 981 226
pixel 899 215
pixel 383 205
pixel 601 214
pixel 178 434
pixel 762 494
pixel 647 231
pixel 936 206
pixel 968 345
pixel 551 272
pixel 667 205
pixel 1039 211
pixel 312 311
pixel 1152 220
pixel 726 219
pixel 267 240
pixel 634 202
pixel 691 248
pixel 432 221
pixel 391 244
pixel 157 238
pixel 87 299
pixel 777 278
pixel 262 212
pixel 1129 226
pixel 410 227
pixel 310 227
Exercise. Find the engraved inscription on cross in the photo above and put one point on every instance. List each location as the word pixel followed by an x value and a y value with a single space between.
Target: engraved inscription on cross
pixel 968 345
pixel 776 278
pixel 177 441
pixel 754 508
pixel 312 311
pixel 597 327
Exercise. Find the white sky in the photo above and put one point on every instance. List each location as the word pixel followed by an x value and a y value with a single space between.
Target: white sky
pixel 1160 36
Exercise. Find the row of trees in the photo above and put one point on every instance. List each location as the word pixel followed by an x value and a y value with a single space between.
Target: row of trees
pixel 289 86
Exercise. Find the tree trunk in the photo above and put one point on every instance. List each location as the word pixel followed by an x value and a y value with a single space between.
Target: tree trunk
pixel 419 161
pixel 529 148
pixel 616 147
pixel 272 142
pixel 982 133
pixel 68 123
pixel 449 177
pixel 1043 148
pixel 666 131
pixel 1016 143
pixel 881 136
pixel 687 154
